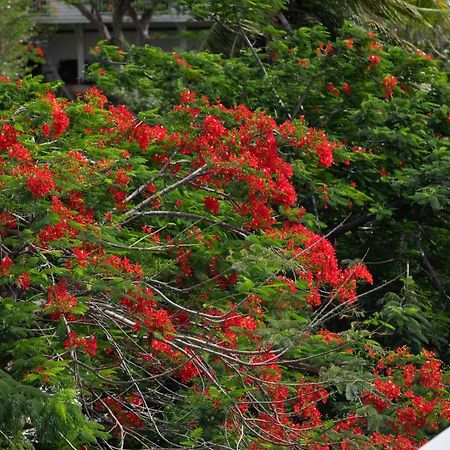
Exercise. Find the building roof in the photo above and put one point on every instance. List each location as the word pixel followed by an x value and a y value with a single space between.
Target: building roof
pixel 57 12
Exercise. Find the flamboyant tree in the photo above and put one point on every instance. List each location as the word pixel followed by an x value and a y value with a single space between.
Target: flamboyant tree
pixel 386 194
pixel 160 288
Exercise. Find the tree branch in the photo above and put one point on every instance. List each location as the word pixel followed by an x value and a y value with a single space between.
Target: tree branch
pixel 350 226
pixel 94 18
pixel 430 272
pixel 186 215
pixel 197 173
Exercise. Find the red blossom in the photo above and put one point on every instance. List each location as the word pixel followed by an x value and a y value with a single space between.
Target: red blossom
pixel 145 134
pixel 5 264
pixel 60 301
pixel 180 60
pixel 122 178
pixel 430 375
pixel 389 83
pixel 422 54
pixel 211 204
pixel 332 89
pixel 122 118
pixel 19 153
pixel 183 261
pixel 123 265
pixel 40 181
pixel 7 222
pixel 329 336
pixel 8 136
pixel 46 129
pixel 346 88
pixel 388 388
pixel 60 118
pixel 187 97
pixel 374 60
pixel 375 45
pixel 95 97
pixel 24 280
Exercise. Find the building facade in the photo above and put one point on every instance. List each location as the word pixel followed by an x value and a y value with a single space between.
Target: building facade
pixel 69 37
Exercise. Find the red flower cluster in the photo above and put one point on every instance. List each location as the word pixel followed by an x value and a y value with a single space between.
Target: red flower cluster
pixel 389 83
pixel 123 265
pixel 422 54
pixel 9 141
pixel 190 368
pixel 180 60
pixel 430 375
pixel 317 257
pixel 244 156
pixel 60 118
pixel 24 280
pixel 40 181
pixel 125 126
pixel 121 411
pixel 311 140
pixel 374 61
pixel 211 204
pixel 143 305
pixel 235 321
pixel 332 89
pixel 329 336
pixel 60 301
pixel 346 88
pixel 7 222
pixel 95 97
pixel 5 264
pixel 88 344
pixel 75 211
pixel 144 134
pixel 309 395
pixel 8 136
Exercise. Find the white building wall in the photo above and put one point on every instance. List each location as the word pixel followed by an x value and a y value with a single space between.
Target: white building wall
pixel 71 38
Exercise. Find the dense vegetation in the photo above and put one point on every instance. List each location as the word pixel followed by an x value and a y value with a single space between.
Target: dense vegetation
pixel 16 30
pixel 387 195
pixel 250 254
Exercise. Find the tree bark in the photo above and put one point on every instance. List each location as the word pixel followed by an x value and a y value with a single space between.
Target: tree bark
pixel 350 226
pixel 143 37
pixel 120 7
pixel 94 17
pixel 142 23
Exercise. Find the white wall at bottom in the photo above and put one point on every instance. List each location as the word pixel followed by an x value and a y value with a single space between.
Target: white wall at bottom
pixel 440 442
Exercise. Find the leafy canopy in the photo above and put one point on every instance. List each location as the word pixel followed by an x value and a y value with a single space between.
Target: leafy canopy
pixel 167 292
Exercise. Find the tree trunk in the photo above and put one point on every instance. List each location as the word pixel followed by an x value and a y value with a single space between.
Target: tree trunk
pixel 95 19
pixel 141 23
pixel 120 8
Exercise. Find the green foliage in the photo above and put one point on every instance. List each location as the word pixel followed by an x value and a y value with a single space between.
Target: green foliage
pixel 413 318
pixel 159 286
pixel 29 415
pixel 252 14
pixel 386 196
pixel 16 26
